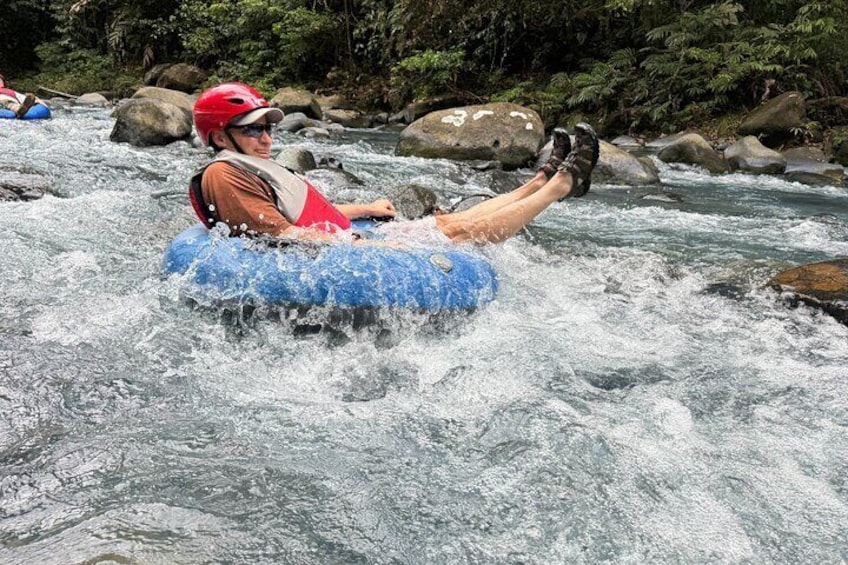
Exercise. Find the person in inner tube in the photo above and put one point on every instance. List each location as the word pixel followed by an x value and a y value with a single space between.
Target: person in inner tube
pixel 254 195
pixel 15 101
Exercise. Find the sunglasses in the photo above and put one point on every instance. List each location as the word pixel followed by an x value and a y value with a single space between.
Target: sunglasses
pixel 255 130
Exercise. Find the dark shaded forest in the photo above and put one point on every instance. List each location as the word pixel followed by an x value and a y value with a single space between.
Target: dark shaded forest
pixel 633 65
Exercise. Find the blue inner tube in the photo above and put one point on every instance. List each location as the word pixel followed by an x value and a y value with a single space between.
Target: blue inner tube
pixel 338 274
pixel 37 112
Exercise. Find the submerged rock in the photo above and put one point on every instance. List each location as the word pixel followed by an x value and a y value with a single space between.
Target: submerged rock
pixel 820 285
pixel 297 159
pixel 413 201
pixel 16 185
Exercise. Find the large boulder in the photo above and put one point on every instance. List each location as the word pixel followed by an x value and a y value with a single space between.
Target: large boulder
pixel 692 149
pixel 777 120
pixel 751 156
pixel 504 132
pixel 291 100
pixel 182 76
pixel 808 165
pixel 181 100
pixel 615 165
pixel 821 285
pixel 147 121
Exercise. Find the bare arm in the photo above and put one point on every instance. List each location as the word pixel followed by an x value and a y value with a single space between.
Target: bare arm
pixel 377 209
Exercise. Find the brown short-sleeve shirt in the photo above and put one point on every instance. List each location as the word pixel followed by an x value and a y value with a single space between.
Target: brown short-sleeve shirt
pixel 241 200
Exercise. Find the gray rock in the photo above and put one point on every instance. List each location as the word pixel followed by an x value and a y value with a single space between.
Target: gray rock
pixel 813 172
pixel 468 202
pixel 805 154
pixel 663 142
pixel 626 141
pixel 348 118
pixel 296 158
pixel 291 100
pixel 413 201
pixel 181 100
pixel 92 99
pixel 183 77
pixel 775 120
pixel 692 149
pixel 17 185
pixel 152 76
pixel 147 121
pixel 314 132
pixel 505 132
pixel 618 166
pixel 615 166
pixel 751 156
pixel 331 181
pixel 295 122
pixel 666 197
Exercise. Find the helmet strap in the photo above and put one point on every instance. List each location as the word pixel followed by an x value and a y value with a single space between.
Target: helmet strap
pixel 233 141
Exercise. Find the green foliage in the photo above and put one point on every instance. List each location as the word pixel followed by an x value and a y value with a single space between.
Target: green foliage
pixel 638 64
pixel 81 70
pixel 270 41
pixel 426 74
pixel 702 63
pixel 548 98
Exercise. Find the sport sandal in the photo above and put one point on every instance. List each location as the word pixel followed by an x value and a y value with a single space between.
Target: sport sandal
pixel 560 149
pixel 29 102
pixel 582 160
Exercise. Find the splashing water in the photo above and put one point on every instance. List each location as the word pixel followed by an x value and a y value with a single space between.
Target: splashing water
pixel 633 395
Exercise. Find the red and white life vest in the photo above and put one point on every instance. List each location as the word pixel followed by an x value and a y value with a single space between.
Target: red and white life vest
pixel 296 199
pixel 10 94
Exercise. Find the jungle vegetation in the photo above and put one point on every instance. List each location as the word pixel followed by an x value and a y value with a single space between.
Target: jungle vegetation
pixel 634 65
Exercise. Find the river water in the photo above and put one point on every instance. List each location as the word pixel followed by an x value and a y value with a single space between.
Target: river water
pixel 633 395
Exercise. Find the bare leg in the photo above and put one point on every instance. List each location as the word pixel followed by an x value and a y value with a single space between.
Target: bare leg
pixel 561 147
pixel 495 223
pixel 488 206
pixel 501 223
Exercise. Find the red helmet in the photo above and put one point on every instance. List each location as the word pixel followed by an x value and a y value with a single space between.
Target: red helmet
pixel 217 106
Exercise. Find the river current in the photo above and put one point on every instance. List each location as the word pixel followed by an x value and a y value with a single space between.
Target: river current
pixel 633 395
